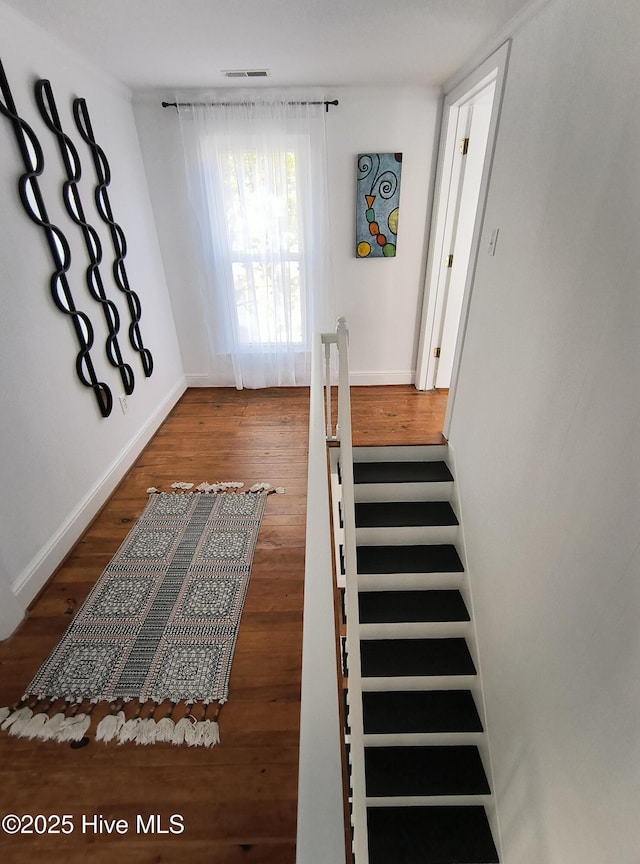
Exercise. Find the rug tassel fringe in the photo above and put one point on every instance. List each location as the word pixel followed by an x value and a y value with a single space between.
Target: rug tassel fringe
pixel 148 728
pixel 111 724
pixel 17 712
pixel 16 721
pixel 219 487
pixel 70 725
pixel 129 730
pixel 53 726
pixel 185 731
pixel 207 734
pixel 73 727
pixel 34 728
pixel 146 731
pixel 166 728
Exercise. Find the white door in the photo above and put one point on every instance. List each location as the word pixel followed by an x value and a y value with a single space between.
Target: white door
pixel 471 110
pixel 473 131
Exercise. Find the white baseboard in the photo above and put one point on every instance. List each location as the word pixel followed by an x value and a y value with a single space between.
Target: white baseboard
pixel 367 379
pixel 35 575
pixel 357 379
pixel 203 380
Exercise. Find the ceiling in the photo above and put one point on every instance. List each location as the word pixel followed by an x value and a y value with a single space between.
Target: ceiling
pixel 186 43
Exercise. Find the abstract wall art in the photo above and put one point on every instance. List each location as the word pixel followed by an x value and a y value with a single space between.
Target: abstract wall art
pixel 73 205
pixel 119 241
pixel 59 242
pixel 377 204
pixel 33 203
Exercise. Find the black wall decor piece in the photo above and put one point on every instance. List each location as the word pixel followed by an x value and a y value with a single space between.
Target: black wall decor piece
pixel 73 204
pixel 33 203
pixel 103 172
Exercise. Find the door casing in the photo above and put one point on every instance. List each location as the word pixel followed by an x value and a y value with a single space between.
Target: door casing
pixel 494 68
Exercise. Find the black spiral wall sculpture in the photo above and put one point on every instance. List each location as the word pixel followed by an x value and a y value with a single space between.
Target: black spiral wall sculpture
pixel 103 173
pixel 73 204
pixel 33 203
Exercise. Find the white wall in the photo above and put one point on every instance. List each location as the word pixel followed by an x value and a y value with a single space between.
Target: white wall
pixel 546 432
pixel 381 298
pixel 59 458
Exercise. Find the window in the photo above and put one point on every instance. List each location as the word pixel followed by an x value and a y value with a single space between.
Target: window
pixel 256 176
pixel 265 240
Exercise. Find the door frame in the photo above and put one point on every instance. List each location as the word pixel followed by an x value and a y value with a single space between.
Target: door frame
pixel 493 68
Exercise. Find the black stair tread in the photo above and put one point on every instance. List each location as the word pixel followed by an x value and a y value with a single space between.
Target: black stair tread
pixel 407 711
pixel 401 472
pixel 387 514
pixel 426 558
pixel 404 657
pixel 446 770
pixel 378 607
pixel 430 835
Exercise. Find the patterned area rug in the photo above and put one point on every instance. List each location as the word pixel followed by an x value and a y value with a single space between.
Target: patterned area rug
pixel 159 626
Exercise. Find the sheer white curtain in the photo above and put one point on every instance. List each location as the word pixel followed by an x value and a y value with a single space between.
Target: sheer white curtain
pixel 256 176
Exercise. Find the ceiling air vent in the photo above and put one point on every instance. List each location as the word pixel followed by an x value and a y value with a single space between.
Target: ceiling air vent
pixel 245 73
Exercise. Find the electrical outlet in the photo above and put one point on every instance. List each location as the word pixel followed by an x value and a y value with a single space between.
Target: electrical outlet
pixel 124 404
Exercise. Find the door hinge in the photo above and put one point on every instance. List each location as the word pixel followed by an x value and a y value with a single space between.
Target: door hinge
pixel 449 261
pixel 464 146
pixel 436 352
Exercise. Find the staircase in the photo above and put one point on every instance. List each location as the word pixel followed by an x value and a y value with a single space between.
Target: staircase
pixel 413 704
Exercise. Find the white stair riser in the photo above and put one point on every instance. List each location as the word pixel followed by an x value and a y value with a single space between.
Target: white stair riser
pixel 424 739
pixel 403 491
pixel 409 535
pixel 409 581
pixel 407 453
pixel 419 682
pixel 429 800
pixel 416 630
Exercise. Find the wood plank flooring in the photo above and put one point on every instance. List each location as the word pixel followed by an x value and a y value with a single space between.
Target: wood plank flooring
pixel 237 800
pixel 397 415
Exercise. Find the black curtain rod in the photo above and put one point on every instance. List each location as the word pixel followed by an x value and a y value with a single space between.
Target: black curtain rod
pixel 325 102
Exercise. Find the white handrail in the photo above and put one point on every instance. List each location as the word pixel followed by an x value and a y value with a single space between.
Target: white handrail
pixel 320 830
pixel 328 339
pixel 320 793
pixel 358 803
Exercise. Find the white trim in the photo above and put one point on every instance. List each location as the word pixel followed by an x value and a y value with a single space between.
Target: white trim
pixel 356 379
pixel 500 60
pixel 203 379
pixel 35 575
pixel 477 688
pixel 492 68
pixel 447 177
pixel 366 379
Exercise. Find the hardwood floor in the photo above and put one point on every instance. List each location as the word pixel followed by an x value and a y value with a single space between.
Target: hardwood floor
pixel 237 800
pixel 397 415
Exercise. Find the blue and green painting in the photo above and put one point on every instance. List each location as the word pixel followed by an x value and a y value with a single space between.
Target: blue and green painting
pixel 377 200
